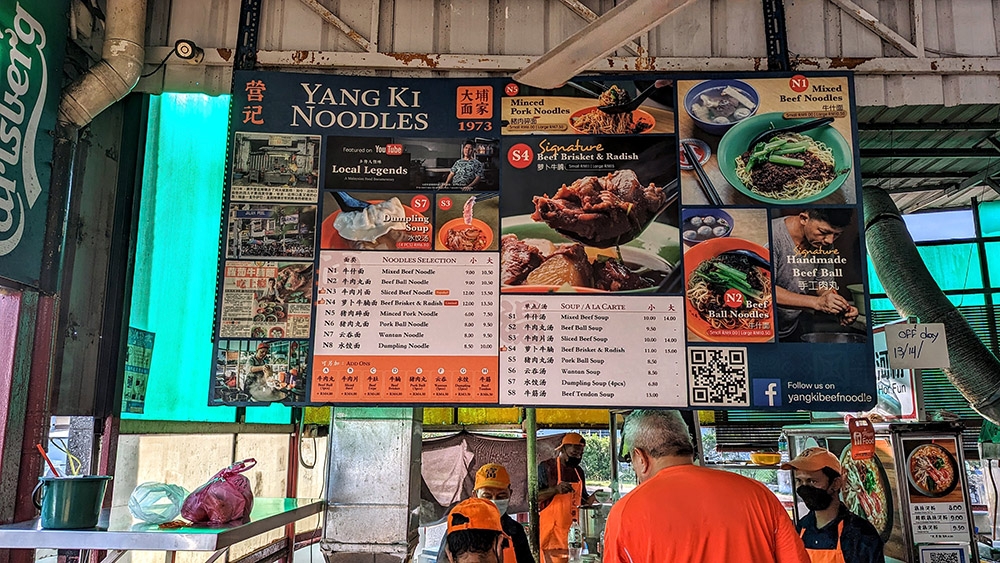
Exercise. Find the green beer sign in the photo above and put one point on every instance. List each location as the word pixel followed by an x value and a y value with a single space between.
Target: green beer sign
pixel 31 55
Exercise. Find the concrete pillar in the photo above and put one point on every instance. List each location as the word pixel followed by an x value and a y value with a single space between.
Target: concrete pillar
pixel 373 487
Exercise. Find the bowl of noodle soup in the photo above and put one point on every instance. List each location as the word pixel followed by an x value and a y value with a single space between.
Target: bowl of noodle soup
pixel 932 470
pixel 866 491
pixel 708 315
pixel 825 162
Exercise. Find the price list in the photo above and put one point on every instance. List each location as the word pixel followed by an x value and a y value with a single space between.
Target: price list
pixel 587 350
pixel 386 327
pixel 939 522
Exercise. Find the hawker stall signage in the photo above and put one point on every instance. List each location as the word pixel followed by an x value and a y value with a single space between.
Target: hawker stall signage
pixel 462 241
pixel 31 56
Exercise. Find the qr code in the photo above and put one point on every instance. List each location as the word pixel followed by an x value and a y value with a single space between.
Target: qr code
pixel 718 377
pixel 950 555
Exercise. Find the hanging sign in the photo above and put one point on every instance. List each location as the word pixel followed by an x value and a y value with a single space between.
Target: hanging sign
pixel 467 241
pixel 922 345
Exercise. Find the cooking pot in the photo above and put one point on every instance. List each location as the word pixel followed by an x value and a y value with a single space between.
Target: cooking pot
pixel 834 337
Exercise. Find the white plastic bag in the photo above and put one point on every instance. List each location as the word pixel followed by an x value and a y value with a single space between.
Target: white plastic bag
pixel 156 503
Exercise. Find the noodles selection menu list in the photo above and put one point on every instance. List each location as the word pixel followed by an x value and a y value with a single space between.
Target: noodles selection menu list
pixel 406 327
pixel 592 350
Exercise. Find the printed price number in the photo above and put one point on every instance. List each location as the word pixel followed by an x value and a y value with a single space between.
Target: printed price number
pixel 956 507
pixel 475 125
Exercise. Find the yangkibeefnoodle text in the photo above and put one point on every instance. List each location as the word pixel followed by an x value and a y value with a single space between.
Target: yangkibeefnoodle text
pixel 315 114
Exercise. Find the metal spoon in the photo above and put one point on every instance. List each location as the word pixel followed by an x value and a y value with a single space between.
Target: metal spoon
pixel 348 203
pixel 798 128
pixel 630 106
pixel 672 194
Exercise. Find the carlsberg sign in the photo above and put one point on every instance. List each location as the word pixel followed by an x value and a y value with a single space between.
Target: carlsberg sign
pixel 31 54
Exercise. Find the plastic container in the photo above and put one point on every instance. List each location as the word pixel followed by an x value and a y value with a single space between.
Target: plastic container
pixel 70 503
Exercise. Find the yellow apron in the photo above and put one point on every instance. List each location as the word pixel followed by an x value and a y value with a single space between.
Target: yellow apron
pixel 555 519
pixel 827 555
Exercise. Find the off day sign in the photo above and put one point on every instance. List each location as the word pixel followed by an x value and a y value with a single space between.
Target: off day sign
pixel 917 346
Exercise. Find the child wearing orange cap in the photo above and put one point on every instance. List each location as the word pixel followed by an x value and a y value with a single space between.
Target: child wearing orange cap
pixel 493 485
pixel 474 533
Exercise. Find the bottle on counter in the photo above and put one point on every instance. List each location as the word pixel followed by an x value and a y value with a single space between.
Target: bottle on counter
pixel 575 542
pixel 783 446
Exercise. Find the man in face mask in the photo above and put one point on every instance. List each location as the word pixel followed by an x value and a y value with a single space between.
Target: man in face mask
pixel 493 484
pixel 832 533
pixel 562 489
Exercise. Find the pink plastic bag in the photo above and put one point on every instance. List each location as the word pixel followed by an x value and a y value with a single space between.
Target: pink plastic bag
pixel 225 497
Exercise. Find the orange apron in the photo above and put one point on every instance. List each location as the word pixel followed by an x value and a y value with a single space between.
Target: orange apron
pixel 555 519
pixel 508 551
pixel 827 555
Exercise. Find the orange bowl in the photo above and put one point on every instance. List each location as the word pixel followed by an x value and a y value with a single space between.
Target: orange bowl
pixel 331 239
pixel 442 234
pixel 765 458
pixel 637 116
pixel 708 249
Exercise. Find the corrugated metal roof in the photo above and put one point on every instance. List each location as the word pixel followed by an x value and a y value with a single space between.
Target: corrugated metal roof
pixel 925 155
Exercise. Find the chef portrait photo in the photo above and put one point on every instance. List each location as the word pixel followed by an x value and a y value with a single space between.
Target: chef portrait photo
pixel 816 255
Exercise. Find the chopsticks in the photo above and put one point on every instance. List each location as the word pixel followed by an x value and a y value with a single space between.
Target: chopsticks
pixel 706 183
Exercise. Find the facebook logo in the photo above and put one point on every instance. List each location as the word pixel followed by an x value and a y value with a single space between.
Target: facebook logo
pixel 767 392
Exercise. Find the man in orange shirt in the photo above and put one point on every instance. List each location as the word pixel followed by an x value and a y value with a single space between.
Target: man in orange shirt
pixel 683 512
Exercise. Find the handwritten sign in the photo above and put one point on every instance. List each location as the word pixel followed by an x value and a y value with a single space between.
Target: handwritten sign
pixel 917 346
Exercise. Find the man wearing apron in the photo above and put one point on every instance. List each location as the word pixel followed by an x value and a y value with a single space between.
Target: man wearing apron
pixel 562 489
pixel 831 533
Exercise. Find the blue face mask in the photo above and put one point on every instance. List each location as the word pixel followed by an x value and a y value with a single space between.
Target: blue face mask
pixel 501 505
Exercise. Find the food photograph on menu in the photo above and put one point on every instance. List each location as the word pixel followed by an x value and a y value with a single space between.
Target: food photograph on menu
pixel 817 260
pixel 400 163
pixel 260 372
pixel 590 215
pixel 275 167
pixel 266 299
pixel 376 221
pixel 261 231
pixel 776 141
pixel 593 107
pixel 728 275
pixel 467 221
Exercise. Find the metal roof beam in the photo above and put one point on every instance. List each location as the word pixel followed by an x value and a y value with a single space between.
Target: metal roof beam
pixel 929 153
pixel 480 63
pixel 871 22
pixel 330 18
pixel 586 13
pixel 919 127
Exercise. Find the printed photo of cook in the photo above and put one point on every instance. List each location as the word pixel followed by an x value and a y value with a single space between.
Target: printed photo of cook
pixel 590 215
pixel 376 221
pixel 467 221
pixel 816 255
pixel 260 372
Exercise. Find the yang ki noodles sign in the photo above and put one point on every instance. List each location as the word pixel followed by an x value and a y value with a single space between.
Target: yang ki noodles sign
pixel 443 241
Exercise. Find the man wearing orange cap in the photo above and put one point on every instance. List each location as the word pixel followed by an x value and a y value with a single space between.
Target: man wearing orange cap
pixel 562 489
pixel 831 532
pixel 493 484
pixel 474 533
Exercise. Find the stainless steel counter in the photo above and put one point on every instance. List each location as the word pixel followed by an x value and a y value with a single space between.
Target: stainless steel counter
pixel 118 531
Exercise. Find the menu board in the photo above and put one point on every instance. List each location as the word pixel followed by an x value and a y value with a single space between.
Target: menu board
pixel 474 241
pixel 938 502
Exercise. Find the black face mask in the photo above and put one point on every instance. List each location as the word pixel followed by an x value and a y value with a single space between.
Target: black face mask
pixel 815 499
pixel 573 461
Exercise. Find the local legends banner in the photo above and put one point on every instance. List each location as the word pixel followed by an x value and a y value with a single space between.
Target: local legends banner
pixel 31 56
pixel 459 241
